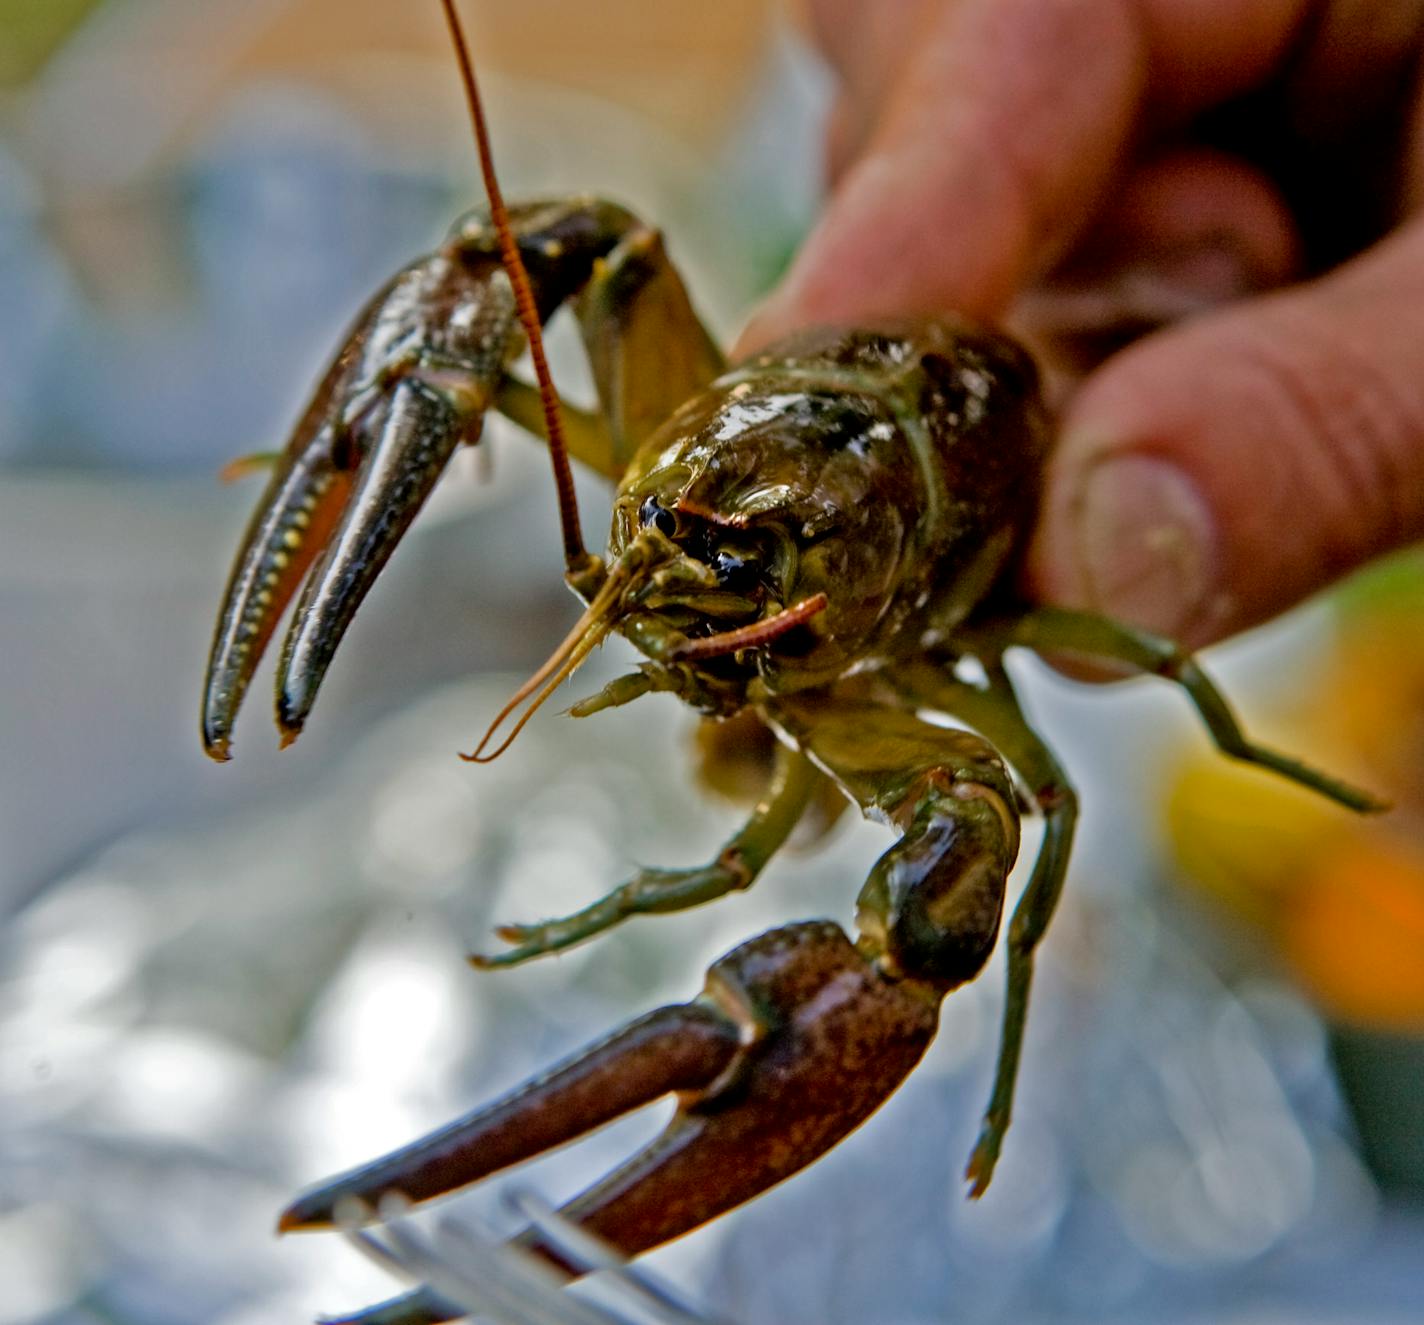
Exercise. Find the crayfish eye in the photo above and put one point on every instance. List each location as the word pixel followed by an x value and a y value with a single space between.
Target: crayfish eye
pixel 734 569
pixel 653 512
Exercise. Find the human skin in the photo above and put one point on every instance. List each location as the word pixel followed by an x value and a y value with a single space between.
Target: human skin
pixel 1227 194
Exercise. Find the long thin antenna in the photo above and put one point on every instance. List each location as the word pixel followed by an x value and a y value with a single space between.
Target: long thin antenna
pixel 588 631
pixel 575 555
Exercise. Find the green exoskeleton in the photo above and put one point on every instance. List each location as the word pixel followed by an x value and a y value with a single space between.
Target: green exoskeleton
pixel 819 537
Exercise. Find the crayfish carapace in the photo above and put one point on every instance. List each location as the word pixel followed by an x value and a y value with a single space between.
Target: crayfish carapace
pixel 820 537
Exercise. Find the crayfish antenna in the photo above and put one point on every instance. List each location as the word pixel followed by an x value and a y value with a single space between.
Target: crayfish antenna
pixel 588 632
pixel 566 660
pixel 576 557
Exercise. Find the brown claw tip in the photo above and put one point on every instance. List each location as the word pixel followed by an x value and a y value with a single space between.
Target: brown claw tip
pixel 292 1220
pixel 291 710
pixel 216 732
pixel 317 1212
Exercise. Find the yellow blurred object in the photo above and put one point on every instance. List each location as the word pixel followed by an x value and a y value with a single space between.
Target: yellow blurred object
pixel 1247 839
pixel 1339 899
pixel 1354 934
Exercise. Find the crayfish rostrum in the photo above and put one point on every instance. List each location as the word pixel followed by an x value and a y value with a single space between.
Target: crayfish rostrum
pixel 818 538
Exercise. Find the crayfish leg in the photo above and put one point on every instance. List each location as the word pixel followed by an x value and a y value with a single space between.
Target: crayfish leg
pixel 994 710
pixel 931 905
pixel 1053 630
pixel 795 780
pixel 647 347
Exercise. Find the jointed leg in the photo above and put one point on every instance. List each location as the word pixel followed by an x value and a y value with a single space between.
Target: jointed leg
pixel 930 908
pixel 737 865
pixel 585 430
pixel 1055 630
pixel 995 712
pixel 648 349
pixel 646 346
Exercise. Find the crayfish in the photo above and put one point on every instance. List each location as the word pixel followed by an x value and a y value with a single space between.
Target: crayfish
pixel 823 541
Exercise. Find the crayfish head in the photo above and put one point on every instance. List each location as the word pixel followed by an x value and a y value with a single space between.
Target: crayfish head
pixel 784 543
pixel 718 605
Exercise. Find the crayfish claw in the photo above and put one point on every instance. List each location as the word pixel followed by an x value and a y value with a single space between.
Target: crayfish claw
pixel 678 1048
pixel 419 435
pixel 412 381
pixel 796 1039
pixel 302 505
pixel 825 1040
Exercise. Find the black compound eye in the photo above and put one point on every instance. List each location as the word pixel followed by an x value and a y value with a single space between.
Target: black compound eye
pixel 735 569
pixel 653 512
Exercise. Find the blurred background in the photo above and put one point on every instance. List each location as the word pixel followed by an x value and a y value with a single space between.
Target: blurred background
pixel 218 984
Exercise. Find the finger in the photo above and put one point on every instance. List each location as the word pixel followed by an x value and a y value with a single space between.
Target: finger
pixel 1343 103
pixel 1188 230
pixel 1412 174
pixel 944 204
pixel 842 139
pixel 1192 197
pixel 866 47
pixel 1359 58
pixel 998 139
pixel 1221 471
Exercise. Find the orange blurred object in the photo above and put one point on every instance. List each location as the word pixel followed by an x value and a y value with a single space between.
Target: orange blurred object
pixel 686 68
pixel 1340 899
pixel 1354 934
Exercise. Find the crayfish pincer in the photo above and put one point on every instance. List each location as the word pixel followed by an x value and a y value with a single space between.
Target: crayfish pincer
pixel 814 541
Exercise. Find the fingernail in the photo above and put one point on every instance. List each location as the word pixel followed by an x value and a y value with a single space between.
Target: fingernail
pixel 1146 546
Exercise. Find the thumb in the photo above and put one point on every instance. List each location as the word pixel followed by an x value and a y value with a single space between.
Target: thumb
pixel 1220 471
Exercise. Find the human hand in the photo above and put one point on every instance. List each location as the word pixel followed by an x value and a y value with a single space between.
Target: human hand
pixel 1104 167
